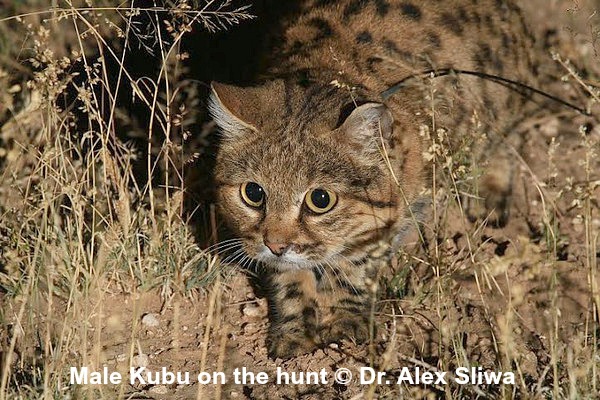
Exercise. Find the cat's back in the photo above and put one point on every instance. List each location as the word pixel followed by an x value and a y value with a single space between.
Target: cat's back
pixel 379 42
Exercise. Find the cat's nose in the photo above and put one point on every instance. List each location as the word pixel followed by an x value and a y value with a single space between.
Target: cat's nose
pixel 277 248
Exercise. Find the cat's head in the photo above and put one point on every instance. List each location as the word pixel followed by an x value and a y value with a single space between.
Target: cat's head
pixel 302 178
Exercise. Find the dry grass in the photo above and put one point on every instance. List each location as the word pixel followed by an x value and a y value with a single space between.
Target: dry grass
pixel 86 237
pixel 77 222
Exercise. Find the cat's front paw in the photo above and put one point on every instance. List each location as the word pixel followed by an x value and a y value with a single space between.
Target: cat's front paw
pixel 492 205
pixel 353 327
pixel 288 346
pixel 493 210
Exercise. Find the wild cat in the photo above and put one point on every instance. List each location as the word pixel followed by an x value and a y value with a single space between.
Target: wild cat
pixel 323 161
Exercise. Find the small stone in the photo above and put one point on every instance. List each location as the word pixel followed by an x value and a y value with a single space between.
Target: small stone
pixel 150 320
pixel 550 128
pixel 114 321
pixel 159 389
pixel 249 328
pixel 518 330
pixel 121 357
pixel 140 360
pixel 252 310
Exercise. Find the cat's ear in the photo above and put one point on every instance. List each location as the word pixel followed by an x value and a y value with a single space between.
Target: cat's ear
pixel 227 110
pixel 242 110
pixel 366 124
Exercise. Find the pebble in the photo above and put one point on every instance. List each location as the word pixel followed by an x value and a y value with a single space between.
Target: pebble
pixel 140 360
pixel 150 320
pixel 550 128
pixel 252 310
pixel 159 389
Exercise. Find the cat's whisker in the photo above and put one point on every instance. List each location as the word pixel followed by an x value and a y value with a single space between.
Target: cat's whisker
pixel 253 266
pixel 223 243
pixel 339 253
pixel 335 286
pixel 325 273
pixel 229 248
pixel 216 245
pixel 239 260
pixel 230 259
pixel 347 279
pixel 242 264
pixel 347 259
pixel 246 262
pixel 231 269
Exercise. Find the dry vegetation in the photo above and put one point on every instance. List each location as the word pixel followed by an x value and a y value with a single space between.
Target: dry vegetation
pixel 102 260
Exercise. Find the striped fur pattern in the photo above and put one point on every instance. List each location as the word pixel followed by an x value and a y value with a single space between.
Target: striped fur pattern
pixel 317 123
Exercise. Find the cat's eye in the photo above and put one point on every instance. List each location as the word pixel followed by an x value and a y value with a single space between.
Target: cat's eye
pixel 320 200
pixel 253 194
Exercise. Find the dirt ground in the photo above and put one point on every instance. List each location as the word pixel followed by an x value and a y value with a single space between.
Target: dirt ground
pixel 516 298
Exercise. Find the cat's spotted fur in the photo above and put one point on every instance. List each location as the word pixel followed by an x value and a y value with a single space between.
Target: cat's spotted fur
pixel 318 123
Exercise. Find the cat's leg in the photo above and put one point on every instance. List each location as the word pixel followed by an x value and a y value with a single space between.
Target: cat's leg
pixel 491 197
pixel 345 298
pixel 293 314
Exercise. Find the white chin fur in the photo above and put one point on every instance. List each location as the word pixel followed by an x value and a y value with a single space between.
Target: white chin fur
pixel 285 262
